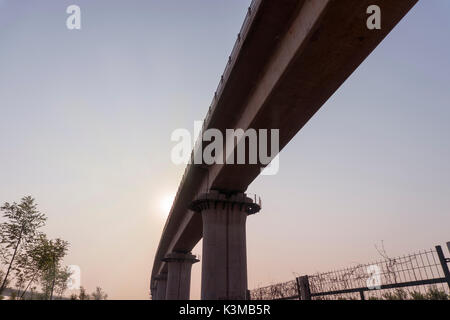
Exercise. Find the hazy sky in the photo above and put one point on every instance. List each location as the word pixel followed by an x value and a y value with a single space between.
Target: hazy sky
pixel 86 118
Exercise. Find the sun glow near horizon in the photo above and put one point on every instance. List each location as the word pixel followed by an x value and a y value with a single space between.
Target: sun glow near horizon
pixel 165 204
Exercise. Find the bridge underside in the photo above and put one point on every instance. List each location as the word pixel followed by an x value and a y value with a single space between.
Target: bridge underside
pixel 294 56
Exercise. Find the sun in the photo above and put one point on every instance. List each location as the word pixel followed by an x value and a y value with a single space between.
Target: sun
pixel 166 203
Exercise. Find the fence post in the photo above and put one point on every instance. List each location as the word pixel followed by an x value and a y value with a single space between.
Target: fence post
pixel 303 287
pixel 444 265
pixel 298 288
pixel 361 294
pixel 448 246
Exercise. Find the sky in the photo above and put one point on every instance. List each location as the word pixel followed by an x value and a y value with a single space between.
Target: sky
pixel 86 118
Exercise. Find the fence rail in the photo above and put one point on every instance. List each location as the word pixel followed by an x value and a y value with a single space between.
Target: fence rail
pixel 420 275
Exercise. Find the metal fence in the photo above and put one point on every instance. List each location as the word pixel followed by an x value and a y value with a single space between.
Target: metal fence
pixel 421 275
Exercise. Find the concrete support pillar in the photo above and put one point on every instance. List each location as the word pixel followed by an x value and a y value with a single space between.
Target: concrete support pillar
pixel 161 285
pixel 224 258
pixel 179 275
pixel 153 290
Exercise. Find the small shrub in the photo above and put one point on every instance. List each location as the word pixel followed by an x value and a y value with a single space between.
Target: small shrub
pixel 398 294
pixel 434 293
pixel 416 295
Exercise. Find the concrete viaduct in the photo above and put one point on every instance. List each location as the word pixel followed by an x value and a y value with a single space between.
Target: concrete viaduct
pixel 289 58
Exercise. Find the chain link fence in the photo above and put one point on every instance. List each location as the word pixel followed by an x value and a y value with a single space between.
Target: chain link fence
pixel 421 275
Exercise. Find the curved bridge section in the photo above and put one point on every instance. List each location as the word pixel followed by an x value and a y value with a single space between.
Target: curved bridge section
pixel 289 58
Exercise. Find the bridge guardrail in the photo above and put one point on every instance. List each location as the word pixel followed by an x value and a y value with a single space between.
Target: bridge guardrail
pixel 229 66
